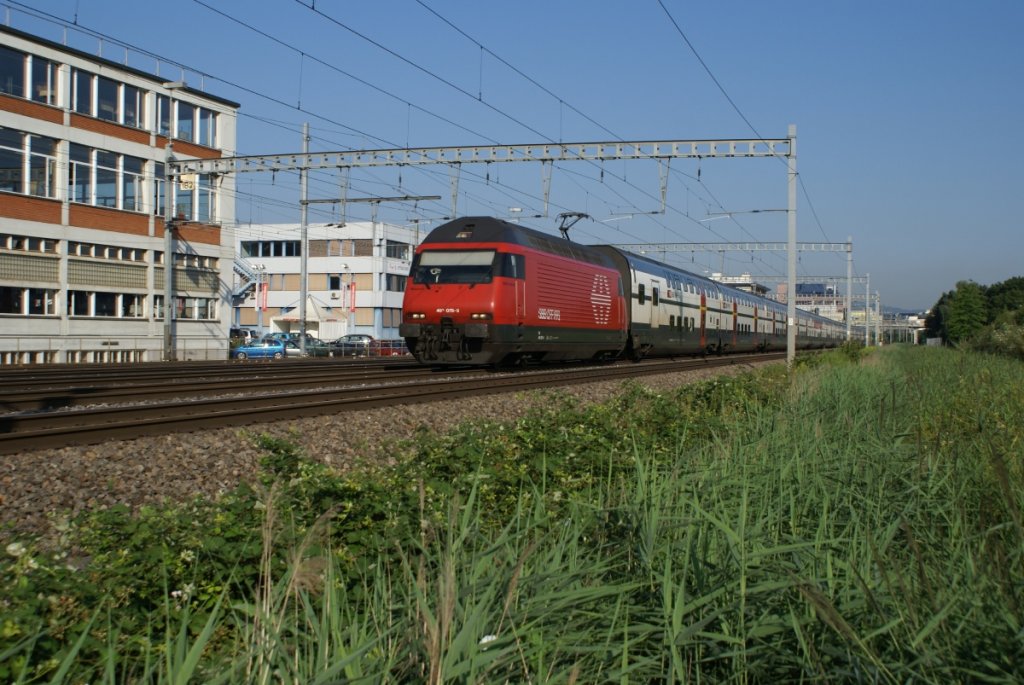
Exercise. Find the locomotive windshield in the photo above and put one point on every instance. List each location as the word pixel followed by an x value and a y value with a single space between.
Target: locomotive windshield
pixel 453 266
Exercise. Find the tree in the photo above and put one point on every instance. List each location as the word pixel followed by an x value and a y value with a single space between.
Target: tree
pixel 1007 296
pixel 967 312
pixel 935 322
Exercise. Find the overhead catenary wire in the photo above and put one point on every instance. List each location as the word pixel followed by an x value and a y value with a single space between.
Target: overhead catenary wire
pixel 355 131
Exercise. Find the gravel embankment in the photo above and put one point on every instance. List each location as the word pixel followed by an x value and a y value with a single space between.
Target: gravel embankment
pixel 36 487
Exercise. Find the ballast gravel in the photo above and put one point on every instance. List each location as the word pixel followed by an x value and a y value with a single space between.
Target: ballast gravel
pixel 40 488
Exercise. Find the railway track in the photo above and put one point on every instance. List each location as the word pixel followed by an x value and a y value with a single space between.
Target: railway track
pixel 47 395
pixel 310 396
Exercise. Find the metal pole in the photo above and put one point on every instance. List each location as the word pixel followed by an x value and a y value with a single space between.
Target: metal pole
pixel 260 269
pixel 867 309
pixel 878 318
pixel 169 354
pixel 304 241
pixel 791 253
pixel 849 287
pixel 349 322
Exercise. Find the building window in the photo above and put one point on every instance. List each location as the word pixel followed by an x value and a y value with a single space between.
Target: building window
pixel 81 84
pixel 163 115
pixel 105 303
pixel 205 209
pixel 186 121
pixel 107 96
pixel 124 254
pixel 116 179
pixel 195 308
pixel 80 176
pixel 42 157
pixel 18 242
pixel 44 81
pixel 133 306
pixel 11 300
pixel 108 305
pixel 27 301
pixel 271 248
pixel 207 127
pixel 12 72
pixel 106 179
pixel 12 160
pixel 131 183
pixel 183 201
pixel 396 283
pixel 396 250
pixel 134 107
pixel 362 248
pixel 42 172
pixel 78 303
pixel 159 190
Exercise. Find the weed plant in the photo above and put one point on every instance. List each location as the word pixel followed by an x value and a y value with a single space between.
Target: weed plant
pixel 859 520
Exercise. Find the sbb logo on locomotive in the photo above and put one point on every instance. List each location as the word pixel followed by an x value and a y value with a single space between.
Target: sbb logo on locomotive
pixel 601 299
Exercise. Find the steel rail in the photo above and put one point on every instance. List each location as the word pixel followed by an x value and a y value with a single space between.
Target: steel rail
pixel 63 375
pixel 22 432
pixel 120 390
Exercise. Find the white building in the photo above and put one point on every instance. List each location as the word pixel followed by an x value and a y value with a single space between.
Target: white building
pixel 356 276
pixel 82 203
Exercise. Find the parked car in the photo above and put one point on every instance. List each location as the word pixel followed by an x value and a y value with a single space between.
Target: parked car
pixel 266 348
pixel 292 349
pixel 243 336
pixel 294 337
pixel 356 345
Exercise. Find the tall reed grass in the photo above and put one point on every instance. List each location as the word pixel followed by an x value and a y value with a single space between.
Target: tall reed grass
pixel 860 522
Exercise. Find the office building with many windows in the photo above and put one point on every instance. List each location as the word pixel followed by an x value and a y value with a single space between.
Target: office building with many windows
pixel 83 200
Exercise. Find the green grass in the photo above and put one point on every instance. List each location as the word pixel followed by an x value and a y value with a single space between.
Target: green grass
pixel 858 522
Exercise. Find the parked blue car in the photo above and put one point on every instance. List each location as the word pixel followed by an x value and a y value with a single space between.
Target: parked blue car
pixel 267 348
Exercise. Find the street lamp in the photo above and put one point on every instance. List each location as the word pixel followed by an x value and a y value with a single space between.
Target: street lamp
pixel 350 297
pixel 169 206
pixel 260 270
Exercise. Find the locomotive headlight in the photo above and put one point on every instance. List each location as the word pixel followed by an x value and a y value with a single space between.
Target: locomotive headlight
pixel 481 316
pixel 416 316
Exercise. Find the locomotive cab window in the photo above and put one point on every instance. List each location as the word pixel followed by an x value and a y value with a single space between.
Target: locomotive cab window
pixel 511 265
pixel 453 266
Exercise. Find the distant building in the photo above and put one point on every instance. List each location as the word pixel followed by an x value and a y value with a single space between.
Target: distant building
pixel 820 298
pixel 356 276
pixel 82 205
pixel 742 282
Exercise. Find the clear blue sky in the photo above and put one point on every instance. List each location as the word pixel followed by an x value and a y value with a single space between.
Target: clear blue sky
pixel 908 114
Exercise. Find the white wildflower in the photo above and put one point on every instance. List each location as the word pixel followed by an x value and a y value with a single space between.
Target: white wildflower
pixel 15 549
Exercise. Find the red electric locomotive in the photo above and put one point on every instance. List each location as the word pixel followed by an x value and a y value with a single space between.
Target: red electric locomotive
pixel 484 291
